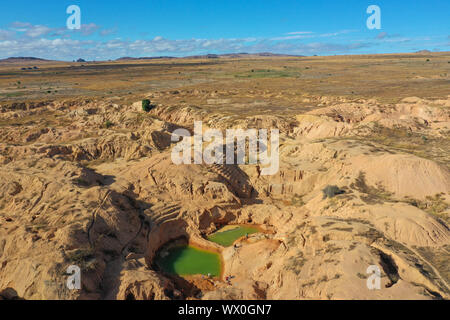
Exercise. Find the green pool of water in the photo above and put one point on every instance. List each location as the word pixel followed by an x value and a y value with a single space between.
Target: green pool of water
pixel 226 238
pixel 186 260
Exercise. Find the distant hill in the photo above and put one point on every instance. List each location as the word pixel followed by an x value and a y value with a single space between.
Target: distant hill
pixel 241 55
pixel 205 56
pixel 215 56
pixel 144 58
pixel 22 59
pixel 268 54
pixel 423 51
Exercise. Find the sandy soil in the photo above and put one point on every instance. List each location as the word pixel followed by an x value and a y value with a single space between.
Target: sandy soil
pixel 86 177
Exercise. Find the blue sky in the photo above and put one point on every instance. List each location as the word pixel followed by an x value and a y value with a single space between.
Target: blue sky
pixel 111 29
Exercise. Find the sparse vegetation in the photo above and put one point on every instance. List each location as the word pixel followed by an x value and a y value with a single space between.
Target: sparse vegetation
pixel 295 264
pixel 332 249
pixel 371 195
pixel 361 276
pixel 269 73
pixel 83 257
pixel 395 140
pixel 81 182
pixel 331 191
pixel 436 206
pixel 146 106
pixel 297 201
pixel 108 124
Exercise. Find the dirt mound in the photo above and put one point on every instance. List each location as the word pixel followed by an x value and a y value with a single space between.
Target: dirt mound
pixel 91 183
pixel 403 175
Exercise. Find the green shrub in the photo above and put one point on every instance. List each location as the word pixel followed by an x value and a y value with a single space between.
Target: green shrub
pixel 81 182
pixel 108 124
pixel 331 191
pixel 146 106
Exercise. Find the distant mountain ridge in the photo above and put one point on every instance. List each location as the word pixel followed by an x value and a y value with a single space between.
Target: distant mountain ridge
pixel 205 56
pixel 145 58
pixel 22 59
pixel 215 56
pixel 423 51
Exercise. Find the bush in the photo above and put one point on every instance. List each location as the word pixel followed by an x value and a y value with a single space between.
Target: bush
pixel 331 191
pixel 146 106
pixel 108 124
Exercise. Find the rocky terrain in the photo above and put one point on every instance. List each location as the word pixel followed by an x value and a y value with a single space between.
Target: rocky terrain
pixel 362 181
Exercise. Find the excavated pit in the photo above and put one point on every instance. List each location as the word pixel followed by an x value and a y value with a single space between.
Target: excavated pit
pixel 195 263
pixel 228 235
pixel 180 258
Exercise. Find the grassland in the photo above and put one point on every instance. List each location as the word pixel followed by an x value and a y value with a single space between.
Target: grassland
pixel 387 77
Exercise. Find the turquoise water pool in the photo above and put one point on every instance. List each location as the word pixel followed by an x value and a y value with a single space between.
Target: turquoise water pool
pixel 188 260
pixel 227 237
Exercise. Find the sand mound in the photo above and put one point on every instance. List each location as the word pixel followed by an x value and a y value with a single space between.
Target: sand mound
pixel 404 175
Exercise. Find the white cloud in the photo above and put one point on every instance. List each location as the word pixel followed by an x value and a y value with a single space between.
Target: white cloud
pixel 24 39
pixel 382 35
pixel 334 34
pixel 29 30
pixel 6 34
pixel 108 32
pixel 294 37
pixel 88 29
pixel 308 35
pixel 20 26
pixel 37 31
pixel 68 49
pixel 299 32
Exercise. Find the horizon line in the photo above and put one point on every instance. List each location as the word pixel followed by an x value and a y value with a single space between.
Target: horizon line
pixel 217 56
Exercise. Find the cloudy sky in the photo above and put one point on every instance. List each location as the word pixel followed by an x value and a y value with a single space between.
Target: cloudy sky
pixel 113 29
